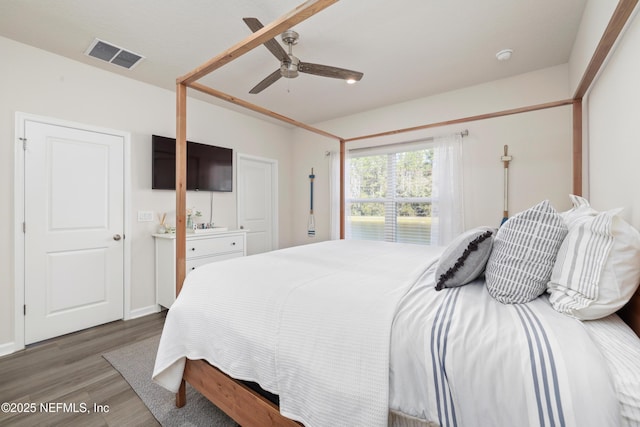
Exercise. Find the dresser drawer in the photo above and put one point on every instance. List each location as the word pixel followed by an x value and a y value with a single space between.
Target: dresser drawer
pixel 210 246
pixel 197 262
pixel 201 249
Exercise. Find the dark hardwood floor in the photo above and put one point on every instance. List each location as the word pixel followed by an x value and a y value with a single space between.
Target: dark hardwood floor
pixel 68 375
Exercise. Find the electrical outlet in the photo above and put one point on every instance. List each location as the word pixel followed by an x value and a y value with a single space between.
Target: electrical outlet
pixel 145 216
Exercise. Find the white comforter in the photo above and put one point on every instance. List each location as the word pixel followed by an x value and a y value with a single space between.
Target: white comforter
pixel 310 323
pixel 346 331
pixel 460 358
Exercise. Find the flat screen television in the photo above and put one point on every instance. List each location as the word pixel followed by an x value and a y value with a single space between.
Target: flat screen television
pixel 209 168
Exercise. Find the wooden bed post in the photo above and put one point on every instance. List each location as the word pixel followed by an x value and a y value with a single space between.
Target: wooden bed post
pixel 342 192
pixel 181 203
pixel 181 185
pixel 577 147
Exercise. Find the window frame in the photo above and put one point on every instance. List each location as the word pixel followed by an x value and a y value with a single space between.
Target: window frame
pixel 390 201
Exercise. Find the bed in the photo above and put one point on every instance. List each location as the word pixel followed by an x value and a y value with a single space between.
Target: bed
pixel 616 344
pixel 357 333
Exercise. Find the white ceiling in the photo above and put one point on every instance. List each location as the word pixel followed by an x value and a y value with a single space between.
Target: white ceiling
pixel 407 49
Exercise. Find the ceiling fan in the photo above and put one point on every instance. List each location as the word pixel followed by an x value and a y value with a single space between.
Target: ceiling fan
pixel 290 65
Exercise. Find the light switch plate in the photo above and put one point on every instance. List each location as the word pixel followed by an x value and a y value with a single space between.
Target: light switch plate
pixel 145 216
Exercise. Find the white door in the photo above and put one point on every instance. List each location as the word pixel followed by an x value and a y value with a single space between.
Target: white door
pixel 257 202
pixel 74 222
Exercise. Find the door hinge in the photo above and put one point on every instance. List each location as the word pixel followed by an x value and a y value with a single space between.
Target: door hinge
pixel 24 227
pixel 25 309
pixel 24 143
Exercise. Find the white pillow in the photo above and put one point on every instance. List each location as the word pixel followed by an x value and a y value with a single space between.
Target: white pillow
pixel 524 252
pixel 598 266
pixel 580 209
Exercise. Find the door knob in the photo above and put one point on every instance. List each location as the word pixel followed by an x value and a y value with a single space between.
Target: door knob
pixel 116 237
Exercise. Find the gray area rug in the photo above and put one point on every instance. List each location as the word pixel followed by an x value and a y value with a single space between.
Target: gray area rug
pixel 135 363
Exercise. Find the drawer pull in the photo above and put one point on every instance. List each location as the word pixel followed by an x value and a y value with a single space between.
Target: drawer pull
pixel 233 243
pixel 193 249
pixel 193 268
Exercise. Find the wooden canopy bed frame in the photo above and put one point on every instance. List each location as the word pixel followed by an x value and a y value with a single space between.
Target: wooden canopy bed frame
pixel 244 405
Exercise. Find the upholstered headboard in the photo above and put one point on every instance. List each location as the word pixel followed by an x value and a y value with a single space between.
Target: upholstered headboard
pixel 630 313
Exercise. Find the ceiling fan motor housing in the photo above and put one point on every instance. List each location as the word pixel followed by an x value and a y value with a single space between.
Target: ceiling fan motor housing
pixel 290 69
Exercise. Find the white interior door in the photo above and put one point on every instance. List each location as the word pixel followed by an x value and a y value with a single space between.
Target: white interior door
pixel 74 223
pixel 257 202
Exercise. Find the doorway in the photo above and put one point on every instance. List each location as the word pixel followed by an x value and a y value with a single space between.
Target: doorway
pixel 71 269
pixel 258 202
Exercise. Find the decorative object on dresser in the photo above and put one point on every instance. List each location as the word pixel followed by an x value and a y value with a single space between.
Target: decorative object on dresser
pixel 201 249
pixel 162 226
pixel 191 213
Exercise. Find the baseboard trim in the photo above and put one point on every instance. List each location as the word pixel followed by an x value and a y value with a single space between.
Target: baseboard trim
pixel 144 311
pixel 8 348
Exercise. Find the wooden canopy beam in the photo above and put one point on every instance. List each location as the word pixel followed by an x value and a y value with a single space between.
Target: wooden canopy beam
pixel 258 109
pixel 618 20
pixel 285 22
pixel 468 119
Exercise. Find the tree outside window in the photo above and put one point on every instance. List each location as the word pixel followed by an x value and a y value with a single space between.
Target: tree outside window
pixel 391 196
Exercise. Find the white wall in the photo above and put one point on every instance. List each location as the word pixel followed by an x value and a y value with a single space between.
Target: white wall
pixel 540 143
pixel 41 83
pixel 614 145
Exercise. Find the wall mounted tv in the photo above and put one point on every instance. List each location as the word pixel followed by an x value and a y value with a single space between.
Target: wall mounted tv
pixel 209 168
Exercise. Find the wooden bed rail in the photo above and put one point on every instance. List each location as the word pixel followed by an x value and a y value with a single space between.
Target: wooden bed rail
pixel 235 399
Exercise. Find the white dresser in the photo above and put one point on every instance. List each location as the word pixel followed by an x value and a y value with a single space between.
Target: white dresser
pixel 201 249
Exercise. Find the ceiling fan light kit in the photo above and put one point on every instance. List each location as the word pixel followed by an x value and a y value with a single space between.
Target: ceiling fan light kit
pixel 290 69
pixel 291 66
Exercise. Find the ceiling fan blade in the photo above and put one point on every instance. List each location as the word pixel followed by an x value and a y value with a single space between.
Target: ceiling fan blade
pixel 327 71
pixel 268 81
pixel 273 46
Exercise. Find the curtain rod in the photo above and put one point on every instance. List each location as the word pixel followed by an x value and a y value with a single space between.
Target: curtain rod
pixel 427 139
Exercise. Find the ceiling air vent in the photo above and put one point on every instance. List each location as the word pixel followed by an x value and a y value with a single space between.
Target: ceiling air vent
pixel 113 54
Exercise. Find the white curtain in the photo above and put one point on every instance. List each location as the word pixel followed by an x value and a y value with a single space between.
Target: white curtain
pixel 334 194
pixel 447 209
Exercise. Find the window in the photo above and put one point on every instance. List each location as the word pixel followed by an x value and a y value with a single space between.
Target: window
pixel 391 197
pixel 393 194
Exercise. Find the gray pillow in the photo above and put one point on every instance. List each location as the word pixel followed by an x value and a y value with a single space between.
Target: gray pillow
pixel 523 255
pixel 465 258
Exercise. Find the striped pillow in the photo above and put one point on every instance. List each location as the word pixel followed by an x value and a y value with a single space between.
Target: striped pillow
pixel 523 255
pixel 598 266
